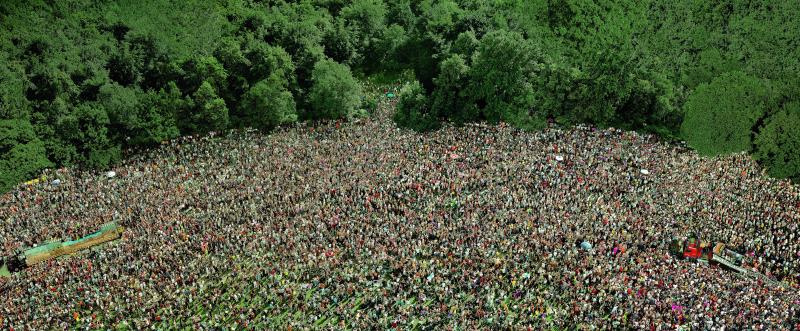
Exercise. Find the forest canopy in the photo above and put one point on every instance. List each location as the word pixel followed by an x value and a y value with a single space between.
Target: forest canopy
pixel 83 80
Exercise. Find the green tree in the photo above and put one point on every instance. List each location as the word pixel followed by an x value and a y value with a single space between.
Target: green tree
pixel 22 154
pixel 48 82
pixel 335 92
pixel 711 63
pixel 341 43
pixel 777 145
pixel 364 21
pixel 13 103
pixel 448 99
pixel 269 60
pixel 299 28
pixel 124 66
pixel 268 104
pixel 501 74
pixel 138 118
pixel 413 110
pixel 201 70
pixel 651 106
pixel 385 52
pixel 721 115
pixel 399 12
pixel 208 111
pixel 466 44
pixel 441 17
pixel 86 128
pixel 238 67
pixel 418 53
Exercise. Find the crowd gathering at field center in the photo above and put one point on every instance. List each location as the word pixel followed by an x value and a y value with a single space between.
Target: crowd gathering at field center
pixel 358 225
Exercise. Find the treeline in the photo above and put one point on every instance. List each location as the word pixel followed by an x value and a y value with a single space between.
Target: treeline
pixel 721 75
pixel 82 80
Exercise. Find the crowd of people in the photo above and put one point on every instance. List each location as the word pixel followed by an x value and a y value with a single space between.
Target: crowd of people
pixel 362 225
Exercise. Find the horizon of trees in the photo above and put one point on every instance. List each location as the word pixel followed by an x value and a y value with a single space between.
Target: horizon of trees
pixel 82 80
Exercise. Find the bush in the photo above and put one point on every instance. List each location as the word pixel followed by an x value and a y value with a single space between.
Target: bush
pixel 720 116
pixel 334 93
pixel 777 146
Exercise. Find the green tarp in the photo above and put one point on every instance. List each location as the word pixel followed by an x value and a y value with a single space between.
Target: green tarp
pixel 4 271
pixel 39 253
pixel 42 249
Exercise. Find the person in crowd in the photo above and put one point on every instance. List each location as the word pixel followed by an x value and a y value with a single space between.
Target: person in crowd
pixel 363 225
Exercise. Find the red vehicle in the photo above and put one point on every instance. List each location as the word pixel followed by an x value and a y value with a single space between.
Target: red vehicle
pixel 692 249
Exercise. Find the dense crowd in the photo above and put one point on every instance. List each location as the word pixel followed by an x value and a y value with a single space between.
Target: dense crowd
pixel 363 225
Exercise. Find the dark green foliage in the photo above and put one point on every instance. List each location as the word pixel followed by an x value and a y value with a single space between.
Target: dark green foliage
pixel 268 104
pixel 22 154
pixel 365 20
pixel 440 19
pixel 340 44
pixel 48 82
pixel 85 129
pixel 412 109
pixel 126 73
pixel 335 92
pixel 721 116
pixel 450 99
pixel 501 74
pixel 650 106
pixel 777 145
pixel 399 12
pixel 266 60
pixel 206 69
pixel 417 53
pixel 466 44
pixel 365 23
pixel 13 103
pixel 206 112
pixel 387 47
pixel 139 118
